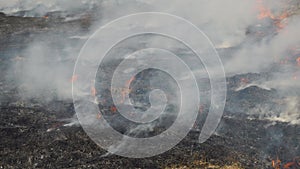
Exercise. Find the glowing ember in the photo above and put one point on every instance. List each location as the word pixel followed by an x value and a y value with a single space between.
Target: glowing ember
pixel 289 165
pixel 113 109
pixel 276 163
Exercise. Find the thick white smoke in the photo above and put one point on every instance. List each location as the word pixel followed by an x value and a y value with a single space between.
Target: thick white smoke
pixel 225 22
pixel 41 7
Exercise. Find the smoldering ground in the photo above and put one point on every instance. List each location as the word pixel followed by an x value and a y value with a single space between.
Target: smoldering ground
pixel 257 43
pixel 48 62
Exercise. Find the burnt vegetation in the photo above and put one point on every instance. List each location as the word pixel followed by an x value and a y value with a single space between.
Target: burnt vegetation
pixel 34 135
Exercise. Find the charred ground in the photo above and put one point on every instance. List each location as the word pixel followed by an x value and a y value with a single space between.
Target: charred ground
pixel 33 136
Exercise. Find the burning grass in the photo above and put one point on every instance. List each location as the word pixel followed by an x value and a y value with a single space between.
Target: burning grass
pixel 279 18
pixel 34 136
pixel 294 164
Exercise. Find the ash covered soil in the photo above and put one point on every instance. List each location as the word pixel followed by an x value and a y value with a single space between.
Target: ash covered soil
pixel 33 134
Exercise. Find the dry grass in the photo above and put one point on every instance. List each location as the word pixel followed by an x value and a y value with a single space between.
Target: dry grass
pixel 205 165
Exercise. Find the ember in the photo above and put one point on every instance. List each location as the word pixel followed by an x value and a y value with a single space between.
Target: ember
pixel 289 165
pixel 276 163
pixel 295 164
pixel 113 109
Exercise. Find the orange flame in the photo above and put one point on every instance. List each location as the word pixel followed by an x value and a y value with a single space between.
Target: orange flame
pixel 265 12
pixel 276 163
pixel 289 165
pixel 293 164
pixel 113 109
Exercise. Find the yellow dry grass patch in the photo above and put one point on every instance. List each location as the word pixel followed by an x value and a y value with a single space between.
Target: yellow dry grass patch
pixel 205 165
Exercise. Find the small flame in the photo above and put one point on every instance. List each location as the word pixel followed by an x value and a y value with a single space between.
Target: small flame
pixel 289 165
pixel 263 11
pixel 276 163
pixel 113 109
pixel 279 20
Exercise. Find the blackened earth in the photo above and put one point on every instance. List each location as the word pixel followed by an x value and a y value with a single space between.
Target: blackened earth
pixel 33 136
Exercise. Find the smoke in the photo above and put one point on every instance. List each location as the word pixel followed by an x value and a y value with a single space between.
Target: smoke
pixel 250 45
pixel 284 110
pixel 45 70
pixel 39 8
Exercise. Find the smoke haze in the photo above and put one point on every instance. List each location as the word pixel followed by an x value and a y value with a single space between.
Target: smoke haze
pixel 246 44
